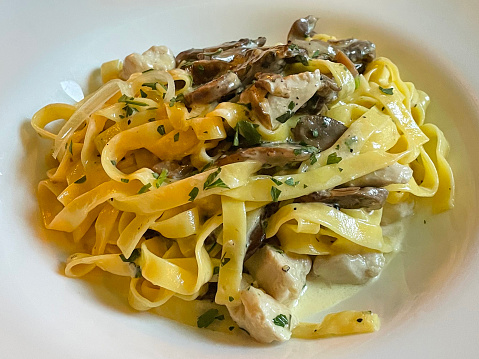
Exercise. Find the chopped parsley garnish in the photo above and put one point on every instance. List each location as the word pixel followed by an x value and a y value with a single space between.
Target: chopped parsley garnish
pixel 315 54
pixel 208 317
pixel 285 116
pixel 388 91
pixel 275 192
pixel 131 101
pixel 125 180
pixel 313 159
pixel 70 148
pixel 113 162
pixel 161 129
pixel 201 67
pixel 231 299
pixel 81 179
pixel 160 178
pixel 143 93
pixel 333 158
pixel 211 183
pixel 315 133
pixel 151 85
pixel 293 47
pixel 176 137
pixel 208 165
pixel 357 82
pixel 193 193
pixel 302 59
pixel 144 188
pixel 216 270
pixel 290 182
pixel 277 182
pixel 179 98
pixel 280 320
pixel 291 106
pixel 248 131
pixel 224 260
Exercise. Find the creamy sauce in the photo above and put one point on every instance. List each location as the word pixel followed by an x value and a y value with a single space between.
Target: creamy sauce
pixel 319 296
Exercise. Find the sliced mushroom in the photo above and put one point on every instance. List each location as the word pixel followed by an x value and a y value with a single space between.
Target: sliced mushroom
pixel 218 51
pixel 396 173
pixel 327 92
pixel 370 198
pixel 214 90
pixel 176 170
pixel 318 131
pixel 359 52
pixel 256 228
pixel 272 110
pixel 270 155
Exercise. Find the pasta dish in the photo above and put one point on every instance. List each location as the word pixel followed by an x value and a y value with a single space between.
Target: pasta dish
pixel 226 181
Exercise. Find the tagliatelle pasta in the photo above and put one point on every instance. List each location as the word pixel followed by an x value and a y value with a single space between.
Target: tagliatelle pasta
pixel 215 180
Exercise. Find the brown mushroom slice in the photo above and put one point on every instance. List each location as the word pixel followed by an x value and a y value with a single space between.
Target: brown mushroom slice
pixel 359 52
pixel 213 90
pixel 271 110
pixel 318 131
pixel 327 92
pixel 271 155
pixel 204 71
pixel 396 173
pixel 175 170
pixel 216 51
pixel 369 198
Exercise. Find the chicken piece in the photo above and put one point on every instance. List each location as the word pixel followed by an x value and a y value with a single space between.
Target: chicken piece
pixel 263 317
pixel 396 173
pixel 348 268
pixel 370 198
pixel 295 91
pixel 281 275
pixel 156 57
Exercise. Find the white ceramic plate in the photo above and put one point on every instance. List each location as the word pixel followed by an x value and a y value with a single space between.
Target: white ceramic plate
pixel 427 297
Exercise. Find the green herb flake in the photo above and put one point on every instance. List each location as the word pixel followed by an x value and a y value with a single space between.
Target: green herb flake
pixel 231 328
pixel 313 159
pixel 291 106
pixel 388 91
pixel 280 320
pixel 315 54
pixel 216 270
pixel 357 82
pixel 290 182
pixel 161 177
pixel 207 318
pixel 285 117
pixel 70 148
pixel 201 67
pixel 305 186
pixel 143 93
pixel 193 193
pixel 125 180
pixel 179 98
pixel 248 131
pixel 340 169
pixel 113 162
pixel 131 101
pixel 144 188
pixel 231 299
pixel 277 182
pixel 161 129
pixel 81 180
pixel 333 158
pixel 176 137
pixel 224 260
pixel 275 192
pixel 212 183
pixel 151 85
pixel 315 133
